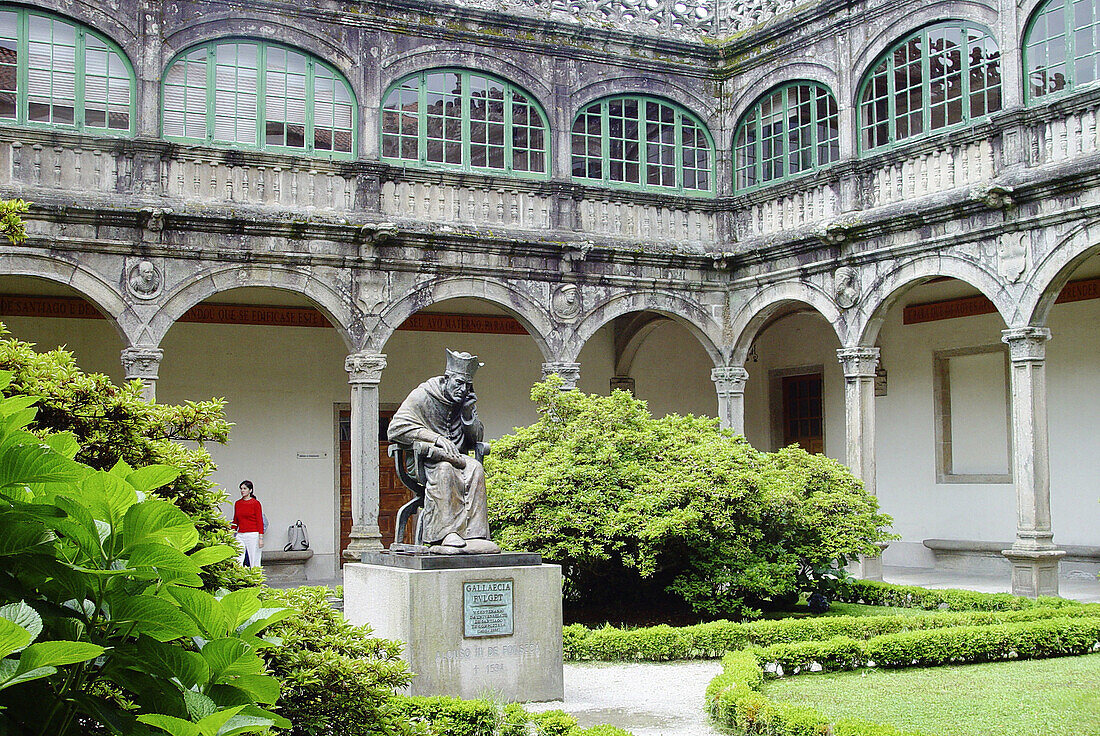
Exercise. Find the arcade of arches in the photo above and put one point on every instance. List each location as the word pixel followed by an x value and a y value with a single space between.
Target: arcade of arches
pixel 743 216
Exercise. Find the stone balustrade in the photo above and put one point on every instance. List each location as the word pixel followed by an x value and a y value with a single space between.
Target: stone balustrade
pixel 487 205
pixel 621 218
pixel 788 211
pixel 65 167
pixel 942 169
pixel 307 184
pixel 1064 136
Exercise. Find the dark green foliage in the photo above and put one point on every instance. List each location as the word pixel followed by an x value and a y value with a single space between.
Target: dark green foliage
pixel 633 506
pixel 337 679
pixel 103 627
pixel 114 423
pixel 712 639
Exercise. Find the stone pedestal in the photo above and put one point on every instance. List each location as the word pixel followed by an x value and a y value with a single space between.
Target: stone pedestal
pixel 1034 572
pixel 442 614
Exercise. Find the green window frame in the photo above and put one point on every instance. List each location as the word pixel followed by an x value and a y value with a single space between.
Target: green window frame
pixel 260 95
pixel 1062 47
pixel 465 120
pixel 792 130
pixel 940 77
pixel 56 73
pixel 644 143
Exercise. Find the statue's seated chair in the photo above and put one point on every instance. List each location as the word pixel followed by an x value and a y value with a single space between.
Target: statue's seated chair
pixel 409 461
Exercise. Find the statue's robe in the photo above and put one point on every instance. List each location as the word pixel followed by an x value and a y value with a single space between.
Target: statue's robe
pixel 454 498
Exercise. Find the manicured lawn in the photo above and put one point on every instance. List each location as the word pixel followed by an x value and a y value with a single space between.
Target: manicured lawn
pixel 1049 697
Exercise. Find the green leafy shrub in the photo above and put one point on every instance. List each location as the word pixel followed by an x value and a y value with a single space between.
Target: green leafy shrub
pixel 113 423
pixel 734 701
pixel 104 579
pixel 337 678
pixel 633 507
pixel 1056 637
pixel 712 639
pixel 443 716
pixel 876 593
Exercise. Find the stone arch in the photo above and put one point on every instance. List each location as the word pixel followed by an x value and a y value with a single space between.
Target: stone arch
pixel 691 315
pixel 751 319
pixel 699 105
pixel 205 284
pixel 101 294
pixel 1053 271
pixel 530 313
pixel 426 59
pixel 119 28
pixel 215 27
pixel 883 293
pixel 766 80
pixel 912 20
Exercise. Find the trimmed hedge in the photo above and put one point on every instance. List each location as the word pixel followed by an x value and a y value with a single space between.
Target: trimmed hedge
pixel 1055 637
pixel 712 640
pixel 446 716
pixel 877 593
pixel 735 702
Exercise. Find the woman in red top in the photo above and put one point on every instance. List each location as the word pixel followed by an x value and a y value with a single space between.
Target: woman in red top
pixel 248 522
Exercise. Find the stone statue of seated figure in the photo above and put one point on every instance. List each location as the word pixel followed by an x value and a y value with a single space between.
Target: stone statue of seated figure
pixel 435 427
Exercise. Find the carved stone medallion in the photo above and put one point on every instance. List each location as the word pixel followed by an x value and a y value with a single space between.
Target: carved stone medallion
pixel 144 280
pixel 565 303
pixel 846 287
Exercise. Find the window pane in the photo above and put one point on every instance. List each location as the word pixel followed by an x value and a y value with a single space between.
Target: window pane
pixel 941 77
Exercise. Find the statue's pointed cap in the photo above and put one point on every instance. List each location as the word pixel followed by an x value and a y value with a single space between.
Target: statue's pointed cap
pixel 462 364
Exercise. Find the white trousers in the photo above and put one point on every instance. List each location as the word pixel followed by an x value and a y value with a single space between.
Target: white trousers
pixel 250 543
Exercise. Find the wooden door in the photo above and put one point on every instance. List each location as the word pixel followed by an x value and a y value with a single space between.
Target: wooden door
pixel 392 494
pixel 803 418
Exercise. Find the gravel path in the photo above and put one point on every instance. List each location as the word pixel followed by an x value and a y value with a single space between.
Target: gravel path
pixel 662 699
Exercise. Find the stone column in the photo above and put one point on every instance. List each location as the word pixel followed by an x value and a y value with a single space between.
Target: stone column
pixel 570 373
pixel 143 362
pixel 1033 556
pixel 364 373
pixel 729 382
pixel 859 365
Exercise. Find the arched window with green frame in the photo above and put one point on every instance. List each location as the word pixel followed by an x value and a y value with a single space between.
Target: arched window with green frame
pixel 939 77
pixel 792 130
pixel 641 142
pixel 1062 47
pixel 56 73
pixel 465 120
pixel 259 95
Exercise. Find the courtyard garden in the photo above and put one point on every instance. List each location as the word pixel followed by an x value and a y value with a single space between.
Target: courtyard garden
pixel 123 610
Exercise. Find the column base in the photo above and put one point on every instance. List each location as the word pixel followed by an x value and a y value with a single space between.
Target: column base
pixel 1034 572
pixel 362 540
pixel 869 568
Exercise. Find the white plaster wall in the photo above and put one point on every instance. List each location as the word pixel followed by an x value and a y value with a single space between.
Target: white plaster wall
pixel 803 339
pixel 95 343
pixel 597 361
pixel 905 441
pixel 1073 384
pixel 672 373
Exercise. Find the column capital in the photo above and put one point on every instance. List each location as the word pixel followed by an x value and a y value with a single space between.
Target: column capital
pixel 142 361
pixel 1026 344
pixel 729 379
pixel 570 372
pixel 859 361
pixel 365 368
